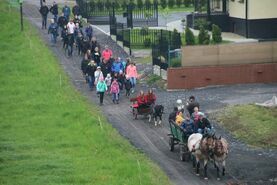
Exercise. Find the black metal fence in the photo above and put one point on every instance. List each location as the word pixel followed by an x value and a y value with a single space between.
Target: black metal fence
pixel 99 13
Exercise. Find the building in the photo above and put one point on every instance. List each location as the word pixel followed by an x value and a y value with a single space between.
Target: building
pixel 250 18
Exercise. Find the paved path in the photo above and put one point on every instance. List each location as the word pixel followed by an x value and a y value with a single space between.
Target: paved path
pixel 153 140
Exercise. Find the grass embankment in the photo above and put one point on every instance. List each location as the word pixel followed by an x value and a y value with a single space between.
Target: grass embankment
pixel 49 133
pixel 254 125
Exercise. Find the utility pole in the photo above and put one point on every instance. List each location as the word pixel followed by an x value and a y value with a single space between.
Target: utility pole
pixel 21 14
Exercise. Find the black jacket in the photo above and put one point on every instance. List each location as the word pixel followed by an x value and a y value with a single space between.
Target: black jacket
pixel 106 68
pixel 62 21
pixel 204 123
pixel 84 65
pixel 54 9
pixel 94 45
pixel 90 69
pixel 44 10
pixel 76 10
pixel 191 107
pixel 97 57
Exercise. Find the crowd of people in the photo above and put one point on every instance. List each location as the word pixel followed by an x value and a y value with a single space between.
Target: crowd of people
pixel 192 120
pixel 103 72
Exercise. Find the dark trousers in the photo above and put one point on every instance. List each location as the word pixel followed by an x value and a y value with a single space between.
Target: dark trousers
pixel 44 21
pixel 101 97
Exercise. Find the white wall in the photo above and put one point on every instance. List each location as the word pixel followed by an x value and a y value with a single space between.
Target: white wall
pixel 237 9
pixel 262 9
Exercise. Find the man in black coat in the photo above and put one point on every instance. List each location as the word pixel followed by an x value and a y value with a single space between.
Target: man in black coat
pixel 76 10
pixel 55 11
pixel 191 104
pixel 44 12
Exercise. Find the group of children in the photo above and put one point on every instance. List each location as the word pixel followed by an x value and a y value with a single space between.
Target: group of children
pixel 192 122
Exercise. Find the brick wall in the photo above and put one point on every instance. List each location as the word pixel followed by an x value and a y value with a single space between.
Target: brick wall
pixel 193 77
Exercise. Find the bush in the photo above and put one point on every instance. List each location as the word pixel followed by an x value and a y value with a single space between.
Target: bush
pixel 116 5
pixel 124 4
pixel 201 23
pixel 147 42
pixel 216 34
pixel 163 3
pixel 175 62
pixel 144 31
pixel 189 37
pixel 176 39
pixel 179 3
pixel 139 3
pixel 108 4
pixel 203 37
pixel 187 3
pixel 171 3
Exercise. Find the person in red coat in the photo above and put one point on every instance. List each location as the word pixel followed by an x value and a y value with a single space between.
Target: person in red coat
pixel 140 99
pixel 150 98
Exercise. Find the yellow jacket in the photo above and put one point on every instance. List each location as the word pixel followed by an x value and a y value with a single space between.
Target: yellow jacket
pixel 179 118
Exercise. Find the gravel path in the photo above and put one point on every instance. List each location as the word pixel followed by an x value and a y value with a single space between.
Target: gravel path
pixel 253 166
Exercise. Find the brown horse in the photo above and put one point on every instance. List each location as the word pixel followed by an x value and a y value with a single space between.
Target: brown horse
pixel 202 148
pixel 220 154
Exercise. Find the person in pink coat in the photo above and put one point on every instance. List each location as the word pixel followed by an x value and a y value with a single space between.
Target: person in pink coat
pixel 115 90
pixel 107 54
pixel 131 73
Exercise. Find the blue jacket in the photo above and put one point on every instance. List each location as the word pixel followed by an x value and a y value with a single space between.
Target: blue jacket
pixel 66 11
pixel 117 66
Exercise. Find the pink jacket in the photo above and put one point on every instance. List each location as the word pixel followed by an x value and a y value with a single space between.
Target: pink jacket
pixel 107 54
pixel 115 87
pixel 131 71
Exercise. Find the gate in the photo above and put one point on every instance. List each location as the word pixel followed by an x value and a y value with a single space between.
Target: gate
pixel 142 16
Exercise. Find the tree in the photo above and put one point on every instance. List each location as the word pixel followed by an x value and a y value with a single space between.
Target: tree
pixel 187 3
pixel 132 3
pixel 124 4
pixel 148 3
pixel 203 36
pixel 139 3
pixel 216 34
pixel 100 5
pixel 163 3
pixel 108 4
pixel 189 37
pixel 179 3
pixel 171 3
pixel 116 5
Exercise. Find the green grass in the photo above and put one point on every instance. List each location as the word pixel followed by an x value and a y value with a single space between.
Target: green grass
pixel 254 125
pixel 49 133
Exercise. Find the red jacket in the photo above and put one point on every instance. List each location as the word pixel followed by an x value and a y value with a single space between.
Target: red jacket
pixel 141 100
pixel 150 98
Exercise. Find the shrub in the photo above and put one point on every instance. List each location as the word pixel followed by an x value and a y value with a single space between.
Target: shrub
pixel 147 42
pixel 175 62
pixel 144 31
pixel 171 3
pixel 201 23
pixel 176 39
pixel 189 37
pixel 163 3
pixel 203 37
pixel 179 3
pixel 216 34
pixel 124 4
pixel 116 5
pixel 139 3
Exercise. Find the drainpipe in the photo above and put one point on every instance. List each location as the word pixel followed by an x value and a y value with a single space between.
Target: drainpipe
pixel 246 18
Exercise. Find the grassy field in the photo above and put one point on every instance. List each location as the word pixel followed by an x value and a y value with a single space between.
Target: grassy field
pixel 49 133
pixel 254 125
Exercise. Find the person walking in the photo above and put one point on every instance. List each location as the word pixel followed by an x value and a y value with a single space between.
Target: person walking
pixel 89 31
pixel 70 33
pixel 62 21
pixel 97 75
pixel 90 70
pixel 131 72
pixel 128 86
pixel 76 10
pixel 115 91
pixel 66 11
pixel 97 56
pixel 55 11
pixel 101 89
pixel 107 54
pixel 44 12
pixel 108 81
pixel 53 29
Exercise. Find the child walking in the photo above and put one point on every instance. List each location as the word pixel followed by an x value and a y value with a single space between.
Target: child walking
pixel 108 81
pixel 101 89
pixel 115 90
